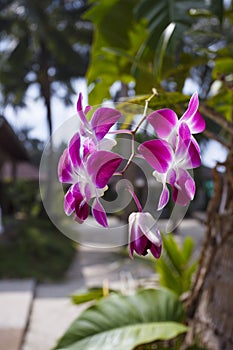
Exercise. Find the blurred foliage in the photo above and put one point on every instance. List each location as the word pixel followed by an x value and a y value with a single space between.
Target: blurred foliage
pixel 34 146
pixel 34 248
pixel 83 296
pixel 176 265
pixel 44 43
pixel 168 45
pixel 21 196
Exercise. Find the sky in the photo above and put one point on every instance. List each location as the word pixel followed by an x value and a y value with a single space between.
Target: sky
pixel 34 116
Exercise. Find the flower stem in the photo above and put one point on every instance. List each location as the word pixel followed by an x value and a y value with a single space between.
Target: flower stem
pixel 134 131
pixel 135 198
pixel 155 93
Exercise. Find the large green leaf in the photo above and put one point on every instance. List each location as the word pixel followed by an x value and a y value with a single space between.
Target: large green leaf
pixel 130 336
pixel 162 13
pixel 113 46
pixel 115 317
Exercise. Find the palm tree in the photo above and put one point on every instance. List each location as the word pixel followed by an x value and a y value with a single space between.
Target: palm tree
pixel 45 44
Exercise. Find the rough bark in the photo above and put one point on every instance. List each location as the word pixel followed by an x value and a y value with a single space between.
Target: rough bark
pixel 210 307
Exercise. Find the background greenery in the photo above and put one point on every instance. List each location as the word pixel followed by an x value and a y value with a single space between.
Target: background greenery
pixel 34 248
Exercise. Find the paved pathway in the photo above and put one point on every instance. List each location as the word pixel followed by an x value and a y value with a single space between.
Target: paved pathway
pixel 16 299
pixel 34 318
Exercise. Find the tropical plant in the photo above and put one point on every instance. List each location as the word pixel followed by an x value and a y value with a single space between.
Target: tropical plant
pixel 157 46
pixel 176 266
pixel 123 322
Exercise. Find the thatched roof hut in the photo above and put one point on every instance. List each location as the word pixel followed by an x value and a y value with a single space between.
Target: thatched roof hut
pixel 11 148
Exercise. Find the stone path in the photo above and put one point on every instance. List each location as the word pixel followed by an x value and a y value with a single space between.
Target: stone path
pixel 16 298
pixel 33 317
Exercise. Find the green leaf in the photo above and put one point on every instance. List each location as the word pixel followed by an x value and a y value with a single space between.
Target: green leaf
pixel 115 27
pixel 133 106
pixel 187 249
pixel 87 295
pixel 129 337
pixel 176 266
pixel 161 49
pixel 162 13
pixel 168 99
pixel 163 99
pixel 118 312
pixel 223 66
pixel 167 277
pixel 223 102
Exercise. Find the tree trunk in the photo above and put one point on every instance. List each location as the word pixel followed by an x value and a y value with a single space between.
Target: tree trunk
pixel 45 83
pixel 210 307
pixel 45 86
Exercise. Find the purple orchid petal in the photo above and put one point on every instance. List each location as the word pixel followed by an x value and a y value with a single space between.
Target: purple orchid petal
pixel 101 165
pixel 197 123
pixel 81 210
pixel 72 197
pixel 76 192
pixel 88 192
pixel 171 177
pixel 65 173
pixel 103 119
pixel 192 158
pixel 195 143
pixel 163 121
pixel 164 198
pixel 188 150
pixel 158 154
pixel 150 229
pixel 193 117
pixel 184 189
pixel 132 233
pixel 194 155
pixel 69 202
pixel 80 110
pixel 192 107
pixel 74 150
pixel 88 146
pixel 156 250
pixel 99 213
pixel 141 245
pixel 184 140
pixel 144 235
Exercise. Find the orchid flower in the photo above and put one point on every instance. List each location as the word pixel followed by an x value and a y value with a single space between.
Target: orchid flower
pixel 171 165
pixel 88 176
pixel 166 123
pixel 144 235
pixel 95 130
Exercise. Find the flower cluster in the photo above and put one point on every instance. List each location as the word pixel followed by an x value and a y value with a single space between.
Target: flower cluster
pixel 88 163
pixel 175 151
